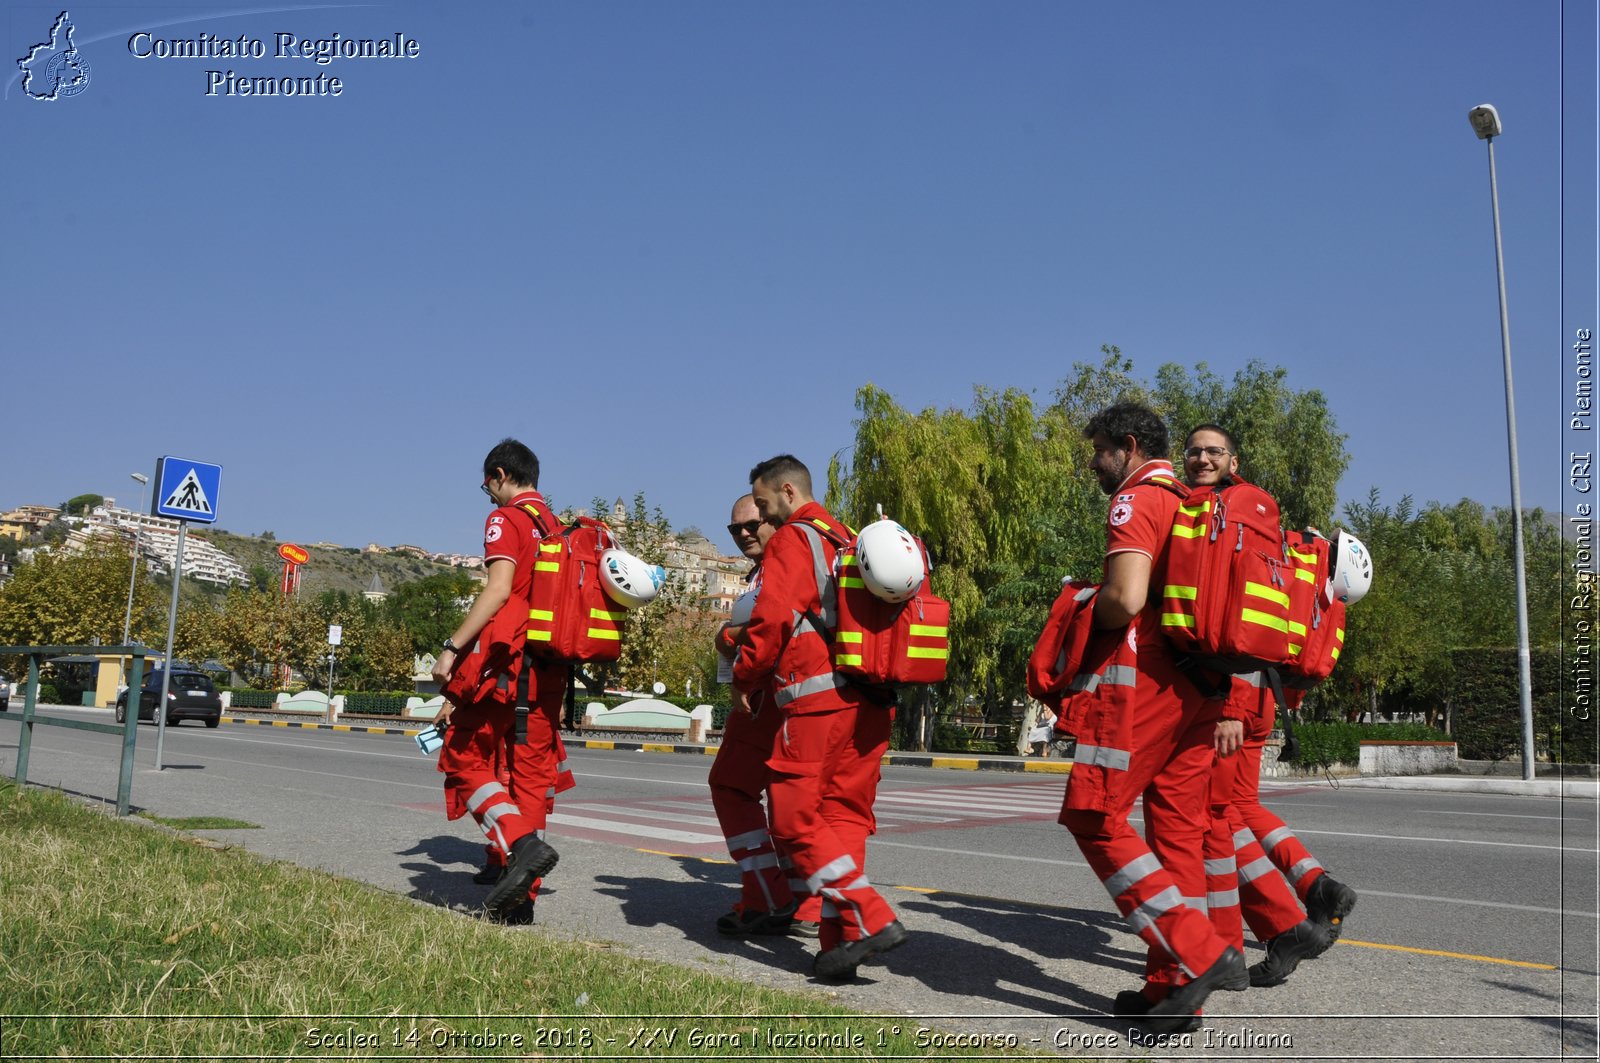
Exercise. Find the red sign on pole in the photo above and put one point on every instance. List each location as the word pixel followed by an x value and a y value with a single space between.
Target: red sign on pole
pixel 291 577
pixel 293 554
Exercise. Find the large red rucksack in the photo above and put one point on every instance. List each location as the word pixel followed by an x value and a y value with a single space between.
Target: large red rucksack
pixel 874 642
pixel 570 616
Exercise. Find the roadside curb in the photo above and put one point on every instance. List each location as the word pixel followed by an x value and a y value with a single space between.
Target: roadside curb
pixel 317 726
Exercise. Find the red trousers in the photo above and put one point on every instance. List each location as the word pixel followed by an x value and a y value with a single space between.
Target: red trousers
pixel 824 777
pixel 481 734
pixel 1283 850
pixel 1158 886
pixel 1268 904
pixel 738 780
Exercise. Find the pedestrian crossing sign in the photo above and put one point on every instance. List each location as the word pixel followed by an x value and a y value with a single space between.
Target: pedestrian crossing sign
pixel 186 490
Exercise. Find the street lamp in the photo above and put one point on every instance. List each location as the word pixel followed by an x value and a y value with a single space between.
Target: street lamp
pixel 1486 124
pixel 127 616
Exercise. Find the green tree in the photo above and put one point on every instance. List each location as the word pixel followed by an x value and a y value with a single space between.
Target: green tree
pixel 80 505
pixel 430 609
pixel 79 599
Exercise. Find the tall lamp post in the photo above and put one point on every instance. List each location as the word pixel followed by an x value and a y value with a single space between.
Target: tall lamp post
pixel 133 574
pixel 1486 123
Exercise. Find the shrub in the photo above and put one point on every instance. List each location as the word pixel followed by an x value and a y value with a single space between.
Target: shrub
pixel 1340 743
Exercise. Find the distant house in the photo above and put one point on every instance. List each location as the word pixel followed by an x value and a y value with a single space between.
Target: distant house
pixel 375 592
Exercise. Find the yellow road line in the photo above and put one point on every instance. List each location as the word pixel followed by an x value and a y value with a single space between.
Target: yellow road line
pixel 1449 955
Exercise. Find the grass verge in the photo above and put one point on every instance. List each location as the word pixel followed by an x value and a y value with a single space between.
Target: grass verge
pixel 201 822
pixel 122 941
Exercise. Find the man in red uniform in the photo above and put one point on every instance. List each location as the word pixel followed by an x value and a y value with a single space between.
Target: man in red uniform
pixel 827 753
pixel 1172 729
pixel 1211 455
pixel 490 711
pixel 738 779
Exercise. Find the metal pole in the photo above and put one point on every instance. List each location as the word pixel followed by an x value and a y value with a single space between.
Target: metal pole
pixel 133 574
pixel 1524 660
pixel 172 628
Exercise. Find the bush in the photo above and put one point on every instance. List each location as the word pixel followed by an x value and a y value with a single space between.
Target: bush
pixel 1340 743
pixel 376 703
pixel 1486 709
pixel 247 698
pixel 48 694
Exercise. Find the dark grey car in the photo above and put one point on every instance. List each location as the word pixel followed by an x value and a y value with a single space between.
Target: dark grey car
pixel 190 696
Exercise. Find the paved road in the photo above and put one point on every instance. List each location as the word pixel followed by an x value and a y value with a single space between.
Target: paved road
pixel 1476 931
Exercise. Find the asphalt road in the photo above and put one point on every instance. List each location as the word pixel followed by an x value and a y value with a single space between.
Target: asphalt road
pixel 1475 937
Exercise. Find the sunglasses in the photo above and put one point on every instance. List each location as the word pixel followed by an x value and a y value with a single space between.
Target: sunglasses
pixel 749 527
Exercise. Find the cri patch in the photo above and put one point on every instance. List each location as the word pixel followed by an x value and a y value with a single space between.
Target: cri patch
pixel 1120 514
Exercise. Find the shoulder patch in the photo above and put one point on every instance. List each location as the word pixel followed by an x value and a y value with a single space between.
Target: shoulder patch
pixel 1124 498
pixel 497 520
pixel 493 533
pixel 1120 513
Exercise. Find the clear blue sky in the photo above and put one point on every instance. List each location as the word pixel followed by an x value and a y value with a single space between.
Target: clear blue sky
pixel 660 241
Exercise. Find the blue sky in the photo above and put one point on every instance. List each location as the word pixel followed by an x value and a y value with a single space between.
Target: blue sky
pixel 662 241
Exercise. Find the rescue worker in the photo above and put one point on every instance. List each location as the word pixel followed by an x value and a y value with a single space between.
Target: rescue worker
pixel 496 701
pixel 738 779
pixel 826 756
pixel 1259 892
pixel 1210 456
pixel 1165 733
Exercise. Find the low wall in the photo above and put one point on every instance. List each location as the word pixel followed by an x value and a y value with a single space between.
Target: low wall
pixel 1407 758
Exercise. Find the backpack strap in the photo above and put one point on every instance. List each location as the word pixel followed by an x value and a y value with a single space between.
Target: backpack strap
pixel 543 523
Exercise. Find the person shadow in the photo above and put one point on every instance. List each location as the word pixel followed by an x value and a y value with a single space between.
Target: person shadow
pixel 444 874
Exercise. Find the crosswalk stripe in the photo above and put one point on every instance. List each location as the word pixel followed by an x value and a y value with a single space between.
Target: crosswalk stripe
pixel 964 806
pixel 636 830
pixel 643 813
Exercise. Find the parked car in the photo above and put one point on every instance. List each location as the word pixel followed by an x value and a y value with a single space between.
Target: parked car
pixel 190 696
pixel 5 693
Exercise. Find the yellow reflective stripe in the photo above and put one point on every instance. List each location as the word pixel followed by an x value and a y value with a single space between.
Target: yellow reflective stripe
pixel 541 614
pixel 540 636
pixel 1177 620
pixel 608 614
pixel 1184 531
pixel 848 658
pixel 605 633
pixel 928 651
pixel 547 566
pixel 1297 629
pixel 824 525
pixel 1339 634
pixel 1307 559
pixel 1335 653
pixel 1255 616
pixel 1261 590
pixel 1159 480
pixel 930 631
pixel 847 636
pixel 1294 649
pixel 1174 590
pixel 847 559
pixel 1305 574
pixel 550 548
pixel 1196 511
pixel 850 581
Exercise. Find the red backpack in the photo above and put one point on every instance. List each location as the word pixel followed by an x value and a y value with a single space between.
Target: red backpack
pixel 570 616
pixel 878 643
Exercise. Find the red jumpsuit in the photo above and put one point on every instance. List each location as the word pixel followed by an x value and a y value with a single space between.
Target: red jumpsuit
pixel 1164 738
pixel 483 730
pixel 828 749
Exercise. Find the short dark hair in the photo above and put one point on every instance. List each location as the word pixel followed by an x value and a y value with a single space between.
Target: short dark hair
pixel 520 464
pixel 1130 419
pixel 784 467
pixel 1233 444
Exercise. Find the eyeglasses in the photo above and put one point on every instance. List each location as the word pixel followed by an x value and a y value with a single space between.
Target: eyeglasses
pixel 1210 452
pixel 749 527
pixel 484 487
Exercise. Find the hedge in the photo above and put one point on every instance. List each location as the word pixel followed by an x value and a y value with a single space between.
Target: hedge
pixel 1486 709
pixel 1340 743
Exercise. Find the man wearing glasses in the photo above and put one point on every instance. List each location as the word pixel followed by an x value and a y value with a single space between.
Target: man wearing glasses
pixel 1239 820
pixel 485 714
pixel 739 775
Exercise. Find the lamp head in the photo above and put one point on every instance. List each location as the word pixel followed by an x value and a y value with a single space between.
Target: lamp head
pixel 141 477
pixel 1485 121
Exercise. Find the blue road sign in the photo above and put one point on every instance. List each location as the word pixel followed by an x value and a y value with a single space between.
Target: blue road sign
pixel 186 490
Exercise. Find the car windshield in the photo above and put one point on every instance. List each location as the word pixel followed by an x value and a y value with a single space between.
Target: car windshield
pixel 185 681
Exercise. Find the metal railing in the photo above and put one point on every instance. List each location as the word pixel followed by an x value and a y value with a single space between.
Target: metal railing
pixel 128 728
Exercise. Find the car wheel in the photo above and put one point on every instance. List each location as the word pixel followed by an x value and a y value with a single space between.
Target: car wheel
pixel 122 711
pixel 212 721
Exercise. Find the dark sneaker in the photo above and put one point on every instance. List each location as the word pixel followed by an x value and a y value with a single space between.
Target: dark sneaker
pixel 531 858
pixel 740 923
pixel 840 963
pixel 1131 1004
pixel 1284 953
pixel 489 874
pixel 1328 901
pixel 804 928
pixel 1179 1007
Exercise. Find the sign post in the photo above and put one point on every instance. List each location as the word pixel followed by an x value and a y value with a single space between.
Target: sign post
pixel 335 636
pixel 185 491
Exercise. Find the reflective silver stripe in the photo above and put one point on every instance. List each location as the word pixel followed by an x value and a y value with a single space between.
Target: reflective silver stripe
pixel 1303 868
pixel 858 884
pixel 837 869
pixel 492 814
pixel 482 794
pixel 1270 842
pixel 1255 679
pixel 828 910
pixel 1222 867
pixel 1255 869
pixel 754 839
pixel 815 685
pixel 1114 675
pixel 1227 899
pixel 561 768
pixel 1105 756
pixel 1135 870
pixel 1144 916
pixel 1242 837
pixel 1197 903
pixel 1085 594
pixel 824 574
pixel 757 862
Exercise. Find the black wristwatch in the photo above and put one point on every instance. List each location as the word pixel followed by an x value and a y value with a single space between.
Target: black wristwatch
pixel 450 645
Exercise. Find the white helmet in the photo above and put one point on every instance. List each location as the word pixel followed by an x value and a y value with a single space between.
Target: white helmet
pixel 1351 574
pixel 630 581
pixel 890 561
